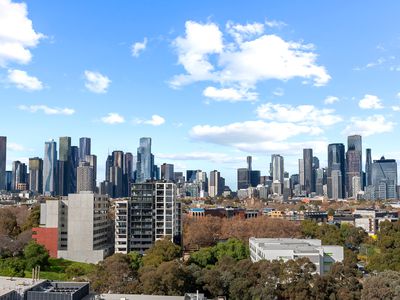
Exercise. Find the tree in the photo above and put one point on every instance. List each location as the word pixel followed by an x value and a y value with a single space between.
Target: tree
pixel 169 278
pixel 136 260
pixel 36 255
pixel 309 228
pixel 162 251
pixel 385 285
pixel 33 219
pixel 114 275
pixel 8 223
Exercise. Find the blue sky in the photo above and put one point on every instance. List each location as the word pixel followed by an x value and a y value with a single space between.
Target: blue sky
pixel 210 81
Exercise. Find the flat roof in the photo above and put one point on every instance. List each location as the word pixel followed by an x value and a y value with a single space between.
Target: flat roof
pixel 134 297
pixel 20 285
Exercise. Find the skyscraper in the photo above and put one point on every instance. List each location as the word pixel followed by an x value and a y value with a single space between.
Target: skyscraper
pixel 64 166
pixel 3 156
pixel 36 175
pixel 249 163
pixel 167 172
pixel 277 167
pixel 49 168
pixel 85 177
pixel 19 172
pixel 145 161
pixel 92 160
pixel 336 161
pixel 243 178
pixel 74 166
pixel 353 161
pixel 130 165
pixel 215 187
pixel 301 173
pixel 384 179
pixel 191 175
pixel 109 164
pixel 368 167
pixel 84 147
pixel 308 171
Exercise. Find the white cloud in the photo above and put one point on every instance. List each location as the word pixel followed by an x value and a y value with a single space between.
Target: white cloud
pixel 303 114
pixel 17 35
pixel 96 82
pixel 214 157
pixel 331 100
pixel 229 94
pixel 47 110
pixel 22 80
pixel 250 132
pixel 369 126
pixel 275 24
pixel 15 147
pixel 155 120
pixel 243 32
pixel 250 58
pixel 396 108
pixel 278 92
pixel 113 118
pixel 370 102
pixel 139 47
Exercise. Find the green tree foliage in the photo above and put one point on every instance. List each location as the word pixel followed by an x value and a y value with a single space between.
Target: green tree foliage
pixel 13 267
pixel 33 219
pixel 114 275
pixel 169 278
pixel 209 256
pixel 162 251
pixel 383 286
pixel 136 260
pixel 36 255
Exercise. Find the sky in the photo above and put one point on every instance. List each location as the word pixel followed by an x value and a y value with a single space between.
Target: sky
pixel 210 81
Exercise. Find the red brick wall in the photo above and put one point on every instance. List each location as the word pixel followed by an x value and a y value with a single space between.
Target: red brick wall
pixel 48 237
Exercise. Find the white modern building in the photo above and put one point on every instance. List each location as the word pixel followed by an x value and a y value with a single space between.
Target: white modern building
pixel 286 249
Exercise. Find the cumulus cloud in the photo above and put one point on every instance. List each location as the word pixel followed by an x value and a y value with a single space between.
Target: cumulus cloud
pixel 15 147
pixel 369 126
pixel 17 35
pixel 207 55
pixel 96 82
pixel 303 114
pixel 139 47
pixel 23 81
pixel 229 94
pixel 47 110
pixel 396 108
pixel 113 118
pixel 155 120
pixel 274 23
pixel 370 102
pixel 331 100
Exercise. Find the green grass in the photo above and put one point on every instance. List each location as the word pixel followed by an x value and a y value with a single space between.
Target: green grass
pixel 58 270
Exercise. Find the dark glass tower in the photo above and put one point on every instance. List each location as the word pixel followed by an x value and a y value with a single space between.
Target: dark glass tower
pixel 368 167
pixel 3 155
pixel 145 161
pixel 84 148
pixel 336 162
pixel 309 185
pixel 64 166
pixel 353 162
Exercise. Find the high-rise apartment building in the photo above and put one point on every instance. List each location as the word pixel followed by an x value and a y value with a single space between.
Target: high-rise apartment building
pixel 36 175
pixel 3 160
pixel 92 160
pixel 84 147
pixel 153 212
pixel 336 162
pixel 50 168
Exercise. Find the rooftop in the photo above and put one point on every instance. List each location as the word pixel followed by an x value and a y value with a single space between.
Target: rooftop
pixel 20 285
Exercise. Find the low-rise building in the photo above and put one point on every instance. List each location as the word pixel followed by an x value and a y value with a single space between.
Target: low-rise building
pixel 369 219
pixel 286 249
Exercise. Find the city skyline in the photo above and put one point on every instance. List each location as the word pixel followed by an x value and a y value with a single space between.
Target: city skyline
pixel 135 79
